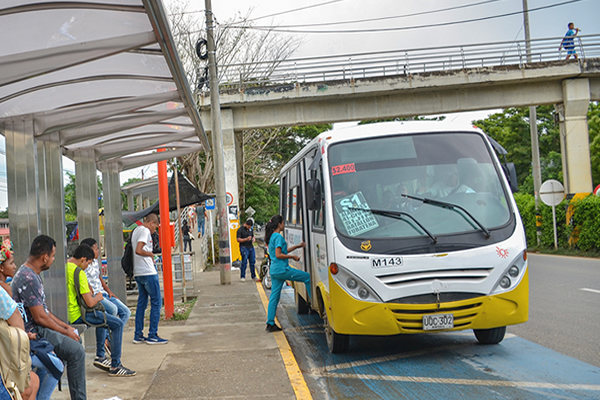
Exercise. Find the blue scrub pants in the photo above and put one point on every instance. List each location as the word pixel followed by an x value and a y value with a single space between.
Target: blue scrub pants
pixel 290 274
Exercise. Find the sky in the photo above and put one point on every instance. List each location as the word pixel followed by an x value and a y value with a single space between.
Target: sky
pixel 394 25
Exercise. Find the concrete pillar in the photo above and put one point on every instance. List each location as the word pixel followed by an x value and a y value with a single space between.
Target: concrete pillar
pixel 87 194
pixel 140 202
pixel 231 180
pixel 130 205
pixel 574 132
pixel 22 184
pixel 113 228
pixel 52 220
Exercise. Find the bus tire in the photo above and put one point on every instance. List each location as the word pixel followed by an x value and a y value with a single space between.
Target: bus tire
pixel 301 304
pixel 336 342
pixel 490 336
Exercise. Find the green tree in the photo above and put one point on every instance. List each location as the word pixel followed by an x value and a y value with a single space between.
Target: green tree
pixel 4 214
pixel 71 197
pixel 124 202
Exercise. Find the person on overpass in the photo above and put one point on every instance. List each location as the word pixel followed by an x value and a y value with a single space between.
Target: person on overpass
pixel 568 42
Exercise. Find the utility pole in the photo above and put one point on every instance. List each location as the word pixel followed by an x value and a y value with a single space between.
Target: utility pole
pixel 217 144
pixel 535 147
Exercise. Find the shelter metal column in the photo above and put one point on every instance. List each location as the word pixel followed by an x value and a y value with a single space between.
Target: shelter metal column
pixel 574 129
pixel 113 228
pixel 52 218
pixel 87 195
pixel 22 184
pixel 231 181
pixel 130 202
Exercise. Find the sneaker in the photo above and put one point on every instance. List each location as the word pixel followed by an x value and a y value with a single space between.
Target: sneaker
pixel 138 340
pixel 156 340
pixel 121 371
pixel 243 279
pixel 102 363
pixel 273 328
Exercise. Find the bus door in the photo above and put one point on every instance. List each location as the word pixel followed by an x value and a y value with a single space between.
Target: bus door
pixel 316 223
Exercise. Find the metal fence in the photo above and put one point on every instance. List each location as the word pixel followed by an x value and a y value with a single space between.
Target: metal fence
pixel 402 62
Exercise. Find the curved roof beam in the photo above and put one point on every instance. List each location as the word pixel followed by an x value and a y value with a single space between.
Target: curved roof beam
pixel 86 5
pixel 145 159
pixel 116 124
pixel 71 117
pixel 18 67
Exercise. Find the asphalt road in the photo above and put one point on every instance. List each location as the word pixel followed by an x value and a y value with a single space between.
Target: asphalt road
pixel 554 355
pixel 564 306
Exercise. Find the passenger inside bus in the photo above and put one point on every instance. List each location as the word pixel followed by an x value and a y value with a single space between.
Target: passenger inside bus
pixel 448 184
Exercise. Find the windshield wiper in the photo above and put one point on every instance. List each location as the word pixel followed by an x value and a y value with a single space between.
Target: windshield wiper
pixel 398 215
pixel 453 207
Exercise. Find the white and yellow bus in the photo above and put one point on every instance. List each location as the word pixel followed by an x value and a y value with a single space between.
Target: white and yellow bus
pixel 410 227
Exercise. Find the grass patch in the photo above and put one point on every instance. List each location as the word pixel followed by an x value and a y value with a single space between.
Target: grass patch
pixel 183 310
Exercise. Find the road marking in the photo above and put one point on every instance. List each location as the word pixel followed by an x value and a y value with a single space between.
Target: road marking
pixel 590 290
pixel 291 366
pixel 469 382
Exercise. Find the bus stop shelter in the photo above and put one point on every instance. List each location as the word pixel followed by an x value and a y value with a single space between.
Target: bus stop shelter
pixel 100 82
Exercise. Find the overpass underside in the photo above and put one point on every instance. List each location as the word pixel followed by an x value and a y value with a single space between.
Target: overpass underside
pixel 569 85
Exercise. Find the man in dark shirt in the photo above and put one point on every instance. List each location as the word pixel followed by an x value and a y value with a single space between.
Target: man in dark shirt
pixel 245 237
pixel 29 290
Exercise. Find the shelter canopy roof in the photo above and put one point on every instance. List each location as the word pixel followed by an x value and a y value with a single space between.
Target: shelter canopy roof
pixel 98 74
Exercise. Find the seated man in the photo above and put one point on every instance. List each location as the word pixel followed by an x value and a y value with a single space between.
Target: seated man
pixel 449 184
pixel 29 290
pixel 111 303
pixel 82 257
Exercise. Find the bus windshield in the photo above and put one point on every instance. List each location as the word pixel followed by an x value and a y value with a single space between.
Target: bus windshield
pixel 382 187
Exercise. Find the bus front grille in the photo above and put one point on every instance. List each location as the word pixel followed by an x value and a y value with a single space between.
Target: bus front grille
pixel 412 319
pixel 401 279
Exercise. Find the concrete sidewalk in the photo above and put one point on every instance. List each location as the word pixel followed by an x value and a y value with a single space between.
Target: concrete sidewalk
pixel 221 351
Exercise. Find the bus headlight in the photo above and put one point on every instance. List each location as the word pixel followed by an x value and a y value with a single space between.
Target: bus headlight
pixel 363 293
pixel 512 275
pixel 353 285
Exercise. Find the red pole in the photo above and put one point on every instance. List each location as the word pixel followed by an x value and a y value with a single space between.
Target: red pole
pixel 165 235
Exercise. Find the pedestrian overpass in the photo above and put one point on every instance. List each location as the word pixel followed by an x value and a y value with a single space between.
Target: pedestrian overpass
pixel 420 82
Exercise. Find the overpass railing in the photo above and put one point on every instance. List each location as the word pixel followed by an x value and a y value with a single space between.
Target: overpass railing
pixel 401 62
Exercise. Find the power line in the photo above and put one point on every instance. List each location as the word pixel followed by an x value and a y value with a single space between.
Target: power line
pixel 276 29
pixel 296 9
pixel 392 17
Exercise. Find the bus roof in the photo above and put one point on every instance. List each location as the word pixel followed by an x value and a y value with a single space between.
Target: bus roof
pixel 382 129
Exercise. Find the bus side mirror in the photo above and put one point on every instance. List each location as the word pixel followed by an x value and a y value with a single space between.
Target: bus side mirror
pixel 313 194
pixel 511 174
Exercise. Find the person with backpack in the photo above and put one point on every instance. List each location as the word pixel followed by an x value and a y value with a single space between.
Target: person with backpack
pixel 89 314
pixel 29 290
pixel 112 305
pixel 48 366
pixel 146 277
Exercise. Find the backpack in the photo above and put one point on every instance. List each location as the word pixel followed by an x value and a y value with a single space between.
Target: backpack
pixel 15 362
pixel 83 307
pixel 127 260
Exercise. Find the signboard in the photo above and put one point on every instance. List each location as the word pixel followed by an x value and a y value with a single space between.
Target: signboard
pixel 354 212
pixel 210 204
pixel 250 211
pixel 552 192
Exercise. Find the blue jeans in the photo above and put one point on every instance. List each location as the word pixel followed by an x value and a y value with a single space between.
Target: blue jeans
pixel 248 253
pixel 115 327
pixel 73 354
pixel 47 381
pixel 148 285
pixel 187 242
pixel 201 226
pixel 277 281
pixel 116 308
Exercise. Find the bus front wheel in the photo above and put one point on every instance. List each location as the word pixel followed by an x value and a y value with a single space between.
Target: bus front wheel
pixel 490 336
pixel 335 342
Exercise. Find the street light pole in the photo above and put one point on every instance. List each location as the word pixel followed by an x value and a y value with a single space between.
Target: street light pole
pixel 217 145
pixel 535 147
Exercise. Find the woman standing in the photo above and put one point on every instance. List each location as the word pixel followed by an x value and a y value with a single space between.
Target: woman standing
pixel 280 267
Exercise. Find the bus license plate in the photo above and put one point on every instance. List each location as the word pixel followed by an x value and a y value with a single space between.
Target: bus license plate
pixel 438 321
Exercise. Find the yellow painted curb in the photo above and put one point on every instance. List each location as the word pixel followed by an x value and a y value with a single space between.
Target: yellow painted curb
pixel 291 366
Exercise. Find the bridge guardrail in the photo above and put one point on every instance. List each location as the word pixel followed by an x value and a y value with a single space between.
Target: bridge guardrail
pixel 400 62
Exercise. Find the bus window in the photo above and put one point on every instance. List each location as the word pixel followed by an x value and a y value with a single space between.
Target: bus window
pixel 319 214
pixel 284 198
pixel 294 205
